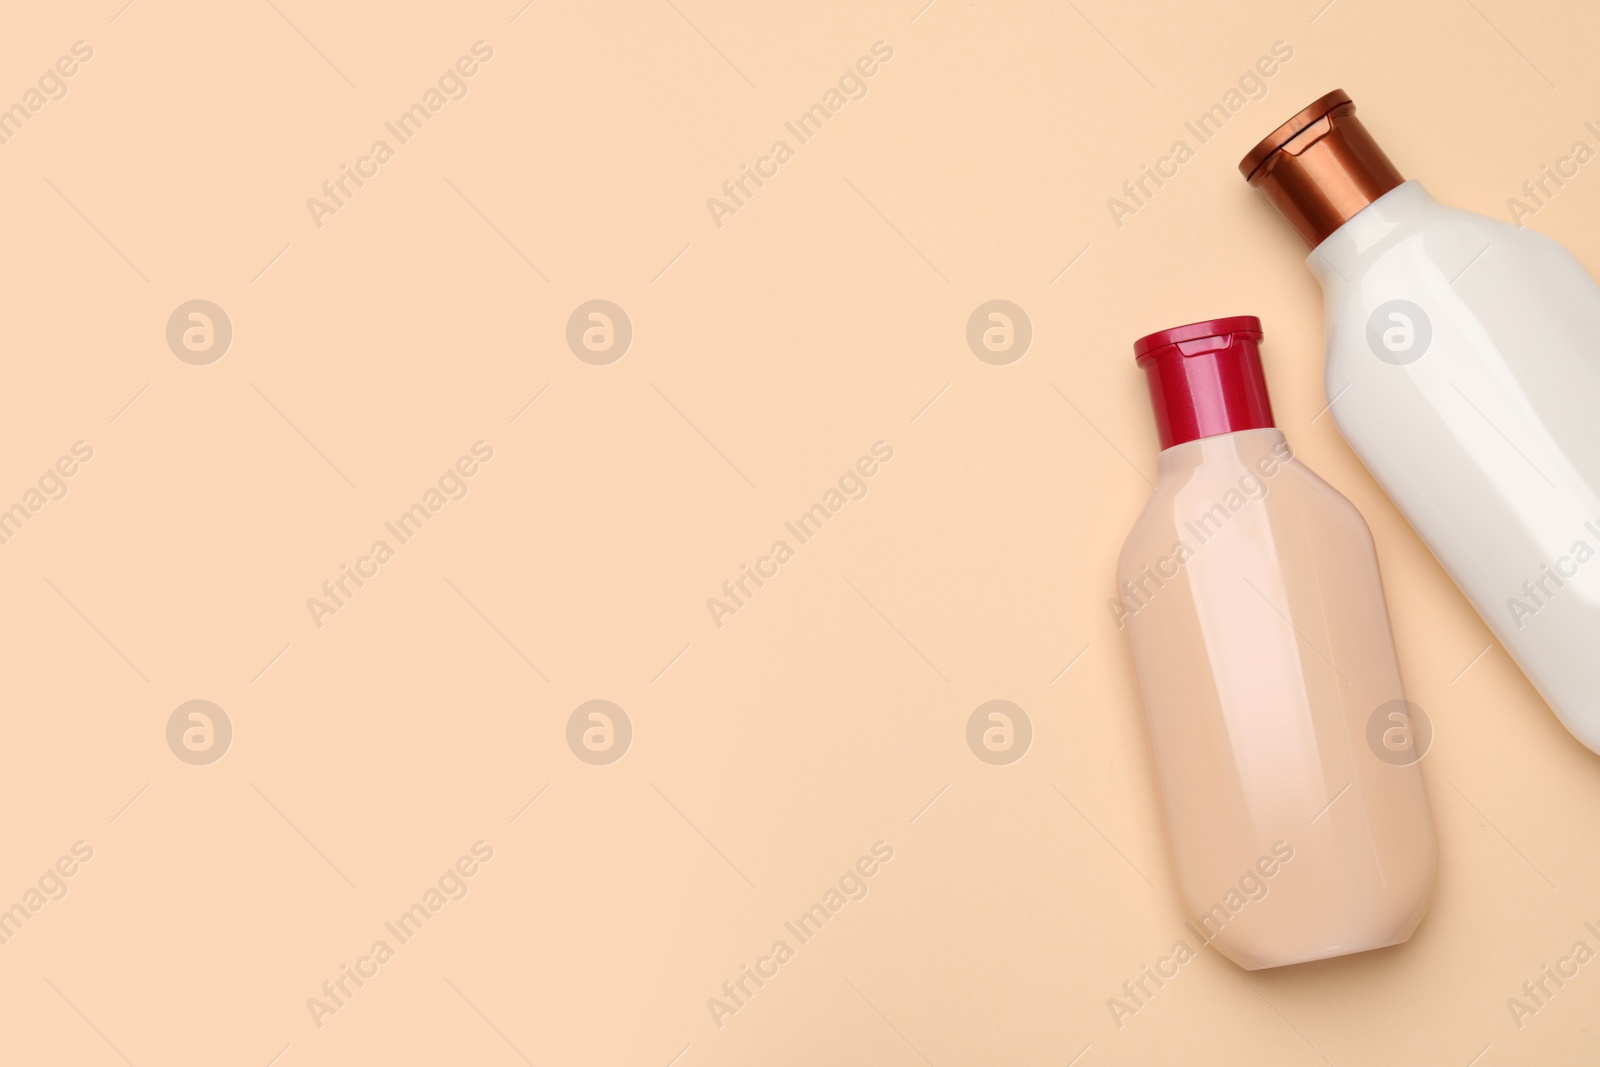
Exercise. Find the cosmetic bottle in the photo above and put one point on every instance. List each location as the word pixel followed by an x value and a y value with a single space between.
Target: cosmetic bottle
pixel 1283 744
pixel 1463 367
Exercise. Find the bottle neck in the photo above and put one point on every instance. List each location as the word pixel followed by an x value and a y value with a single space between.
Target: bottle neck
pixel 1222 452
pixel 1338 258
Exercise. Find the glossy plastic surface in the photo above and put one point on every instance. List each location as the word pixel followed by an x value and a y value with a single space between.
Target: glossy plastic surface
pixel 1251 594
pixel 1205 378
pixel 1464 370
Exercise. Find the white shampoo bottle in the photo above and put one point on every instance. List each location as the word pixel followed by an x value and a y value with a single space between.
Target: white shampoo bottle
pixel 1463 368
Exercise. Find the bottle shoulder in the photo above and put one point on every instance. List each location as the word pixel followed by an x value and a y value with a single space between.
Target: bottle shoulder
pixel 1456 289
pixel 1257 479
pixel 1432 251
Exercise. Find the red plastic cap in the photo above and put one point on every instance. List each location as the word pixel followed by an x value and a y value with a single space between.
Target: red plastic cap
pixel 1205 379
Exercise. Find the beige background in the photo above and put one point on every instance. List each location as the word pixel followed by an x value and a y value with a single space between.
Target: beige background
pixel 768 354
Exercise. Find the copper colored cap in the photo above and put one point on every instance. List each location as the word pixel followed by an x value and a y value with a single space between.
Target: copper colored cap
pixel 1320 167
